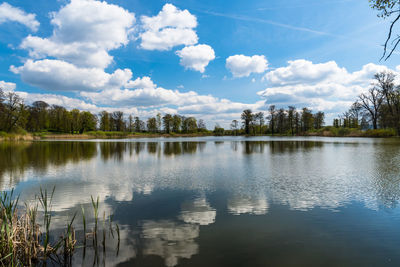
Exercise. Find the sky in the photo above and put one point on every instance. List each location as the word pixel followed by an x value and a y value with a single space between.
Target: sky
pixel 210 59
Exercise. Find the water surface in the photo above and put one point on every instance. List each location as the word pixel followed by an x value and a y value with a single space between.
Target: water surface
pixel 228 201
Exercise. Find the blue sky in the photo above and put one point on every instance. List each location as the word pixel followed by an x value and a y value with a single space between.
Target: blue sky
pixel 209 59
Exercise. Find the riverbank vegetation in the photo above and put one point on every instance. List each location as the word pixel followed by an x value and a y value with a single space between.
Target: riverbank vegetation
pixel 377 110
pixel 25 241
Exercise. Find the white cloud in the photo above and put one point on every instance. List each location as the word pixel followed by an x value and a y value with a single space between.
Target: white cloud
pixel 304 71
pixel 220 106
pixel 146 96
pixel 57 75
pixel 75 56
pixel 7 86
pixel 84 32
pixel 196 57
pixel 325 86
pixel 243 66
pixel 10 13
pixel 144 82
pixel 171 27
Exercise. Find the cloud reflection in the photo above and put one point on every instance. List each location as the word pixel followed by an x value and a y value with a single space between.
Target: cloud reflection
pixel 198 211
pixel 170 240
pixel 240 204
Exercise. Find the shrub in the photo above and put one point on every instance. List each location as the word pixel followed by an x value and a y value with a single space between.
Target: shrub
pixel 344 131
pixel 380 133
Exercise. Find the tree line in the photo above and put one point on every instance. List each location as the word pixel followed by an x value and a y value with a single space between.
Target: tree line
pixel 378 108
pixel 40 117
pixel 278 121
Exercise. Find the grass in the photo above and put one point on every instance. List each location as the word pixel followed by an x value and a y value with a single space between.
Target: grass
pixel 352 132
pixel 25 242
pixel 16 136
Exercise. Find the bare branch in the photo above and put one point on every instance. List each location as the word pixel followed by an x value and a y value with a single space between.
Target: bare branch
pixel 388 38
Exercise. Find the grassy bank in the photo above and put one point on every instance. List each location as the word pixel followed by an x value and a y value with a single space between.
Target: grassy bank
pixel 330 131
pixel 327 131
pixel 117 135
pixel 91 135
pixel 17 136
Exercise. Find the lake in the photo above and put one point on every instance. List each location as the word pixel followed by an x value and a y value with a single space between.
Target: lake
pixel 222 201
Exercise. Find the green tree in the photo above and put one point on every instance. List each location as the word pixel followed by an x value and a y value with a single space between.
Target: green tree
pixel 105 122
pixel 272 118
pixel 138 125
pixel 87 122
pixel 319 120
pixel 152 125
pixel 38 117
pixel 76 120
pixel 167 122
pixel 218 130
pixel 130 123
pixel 118 121
pixel 189 125
pixel 159 122
pixel 307 119
pixel 259 118
pixel 281 121
pixel 176 123
pixel 247 119
pixel 291 121
pixel 15 113
pixel 201 125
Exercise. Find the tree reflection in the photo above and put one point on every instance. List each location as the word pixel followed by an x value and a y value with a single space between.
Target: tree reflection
pixel 16 158
pixel 252 147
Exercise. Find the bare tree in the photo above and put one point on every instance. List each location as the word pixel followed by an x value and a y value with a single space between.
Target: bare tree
pixel 385 83
pixel 372 102
pixel 234 126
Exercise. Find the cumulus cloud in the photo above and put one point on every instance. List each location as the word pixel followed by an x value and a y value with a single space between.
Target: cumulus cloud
pixel 147 97
pixel 84 32
pixel 145 94
pixel 75 56
pixel 243 66
pixel 7 86
pixel 171 27
pixel 58 75
pixel 196 57
pixel 10 13
pixel 324 86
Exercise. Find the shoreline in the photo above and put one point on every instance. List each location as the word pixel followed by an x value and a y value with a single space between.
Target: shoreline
pixel 111 136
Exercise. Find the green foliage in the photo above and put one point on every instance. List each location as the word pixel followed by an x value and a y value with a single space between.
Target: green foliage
pixel 102 134
pixel 384 6
pixel 343 131
pixel 219 131
pixel 380 133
